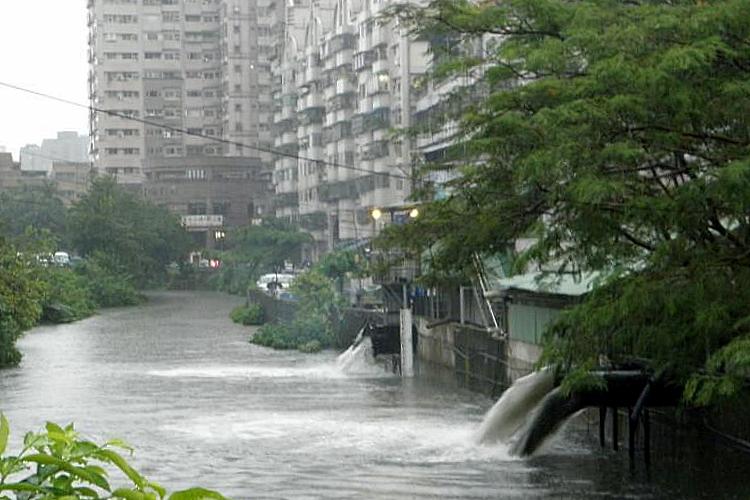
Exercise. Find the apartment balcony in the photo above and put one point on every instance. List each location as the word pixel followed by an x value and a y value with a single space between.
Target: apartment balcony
pixel 344 58
pixel 341 102
pixel 381 66
pixel 311 100
pixel 375 150
pixel 375 120
pixel 364 59
pixel 311 115
pixel 380 36
pixel 287 199
pixel 310 75
pixel 284 126
pixel 344 86
pixel 381 100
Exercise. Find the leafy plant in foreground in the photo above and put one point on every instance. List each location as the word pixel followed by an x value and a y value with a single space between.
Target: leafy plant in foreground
pixel 58 464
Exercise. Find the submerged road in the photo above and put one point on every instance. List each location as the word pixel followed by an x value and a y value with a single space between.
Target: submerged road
pixel 178 381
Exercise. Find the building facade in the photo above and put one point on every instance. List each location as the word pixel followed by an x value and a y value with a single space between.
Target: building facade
pixel 345 85
pixel 72 179
pixel 179 87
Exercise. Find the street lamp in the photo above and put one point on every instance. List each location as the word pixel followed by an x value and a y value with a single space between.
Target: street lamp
pixel 376 213
pixel 414 213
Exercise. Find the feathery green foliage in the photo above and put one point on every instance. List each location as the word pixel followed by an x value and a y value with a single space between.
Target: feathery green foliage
pixel 617 135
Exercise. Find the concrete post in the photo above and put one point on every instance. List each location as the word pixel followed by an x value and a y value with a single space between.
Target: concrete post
pixel 407 344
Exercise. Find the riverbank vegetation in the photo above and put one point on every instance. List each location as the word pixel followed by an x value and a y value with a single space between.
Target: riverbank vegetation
pixel 59 464
pixel 254 250
pixel 311 329
pixel 615 137
pixel 248 315
pixel 124 244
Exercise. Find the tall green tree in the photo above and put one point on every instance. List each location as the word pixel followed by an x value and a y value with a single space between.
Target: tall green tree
pixel 617 135
pixel 33 208
pixel 20 297
pixel 127 233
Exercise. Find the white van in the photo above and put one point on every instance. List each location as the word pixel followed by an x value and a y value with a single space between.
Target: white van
pixel 273 282
pixel 61 259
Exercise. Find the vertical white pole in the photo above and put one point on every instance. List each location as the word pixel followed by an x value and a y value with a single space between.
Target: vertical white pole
pixel 407 344
pixel 462 306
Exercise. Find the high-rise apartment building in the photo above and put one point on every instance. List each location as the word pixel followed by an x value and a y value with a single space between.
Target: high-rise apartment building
pixel 345 84
pixel 186 83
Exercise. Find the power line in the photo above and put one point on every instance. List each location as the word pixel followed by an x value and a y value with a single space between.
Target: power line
pixel 197 134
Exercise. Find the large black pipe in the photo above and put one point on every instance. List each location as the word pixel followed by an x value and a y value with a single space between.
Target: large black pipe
pixel 623 389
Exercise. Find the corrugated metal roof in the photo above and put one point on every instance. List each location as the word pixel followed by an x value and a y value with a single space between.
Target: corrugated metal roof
pixel 573 285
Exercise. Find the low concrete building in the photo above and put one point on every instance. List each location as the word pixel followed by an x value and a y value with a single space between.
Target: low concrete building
pixel 72 179
pixel 12 177
pixel 209 193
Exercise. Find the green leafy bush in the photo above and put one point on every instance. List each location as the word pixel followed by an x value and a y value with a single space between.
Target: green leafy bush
pixel 20 298
pixel 57 464
pixel 312 327
pixel 248 315
pixel 108 285
pixel 307 333
pixel 67 296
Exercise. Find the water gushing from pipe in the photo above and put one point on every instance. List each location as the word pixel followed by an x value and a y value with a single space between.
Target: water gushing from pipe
pixel 514 406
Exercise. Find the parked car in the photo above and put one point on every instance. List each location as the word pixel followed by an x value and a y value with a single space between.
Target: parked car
pixel 61 259
pixel 273 283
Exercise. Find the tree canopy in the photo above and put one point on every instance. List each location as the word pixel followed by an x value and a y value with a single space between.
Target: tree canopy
pixel 20 298
pixel 132 235
pixel 617 135
pixel 33 208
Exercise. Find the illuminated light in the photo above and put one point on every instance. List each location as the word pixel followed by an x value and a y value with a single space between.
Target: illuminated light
pixel 376 213
pixel 414 213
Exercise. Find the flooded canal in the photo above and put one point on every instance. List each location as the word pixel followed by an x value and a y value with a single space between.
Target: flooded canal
pixel 178 381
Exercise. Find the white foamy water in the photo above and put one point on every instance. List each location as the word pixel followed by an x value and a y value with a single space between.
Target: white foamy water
pixel 514 407
pixel 322 371
pixel 359 359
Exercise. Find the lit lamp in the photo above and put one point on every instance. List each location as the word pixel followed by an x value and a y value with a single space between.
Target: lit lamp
pixel 414 213
pixel 219 235
pixel 376 213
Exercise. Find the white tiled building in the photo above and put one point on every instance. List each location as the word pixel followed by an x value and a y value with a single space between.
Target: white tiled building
pixel 353 82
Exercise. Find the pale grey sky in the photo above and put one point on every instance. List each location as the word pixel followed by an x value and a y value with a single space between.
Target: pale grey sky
pixel 43 46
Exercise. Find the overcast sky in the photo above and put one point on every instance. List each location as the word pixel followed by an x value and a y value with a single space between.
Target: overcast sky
pixel 43 47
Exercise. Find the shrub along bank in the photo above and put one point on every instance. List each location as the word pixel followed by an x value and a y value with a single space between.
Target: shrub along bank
pixel 312 327
pixel 247 315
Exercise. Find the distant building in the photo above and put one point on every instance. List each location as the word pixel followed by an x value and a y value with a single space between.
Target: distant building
pixel 188 87
pixel 67 146
pixel 12 177
pixel 209 193
pixel 71 179
pixel 31 158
